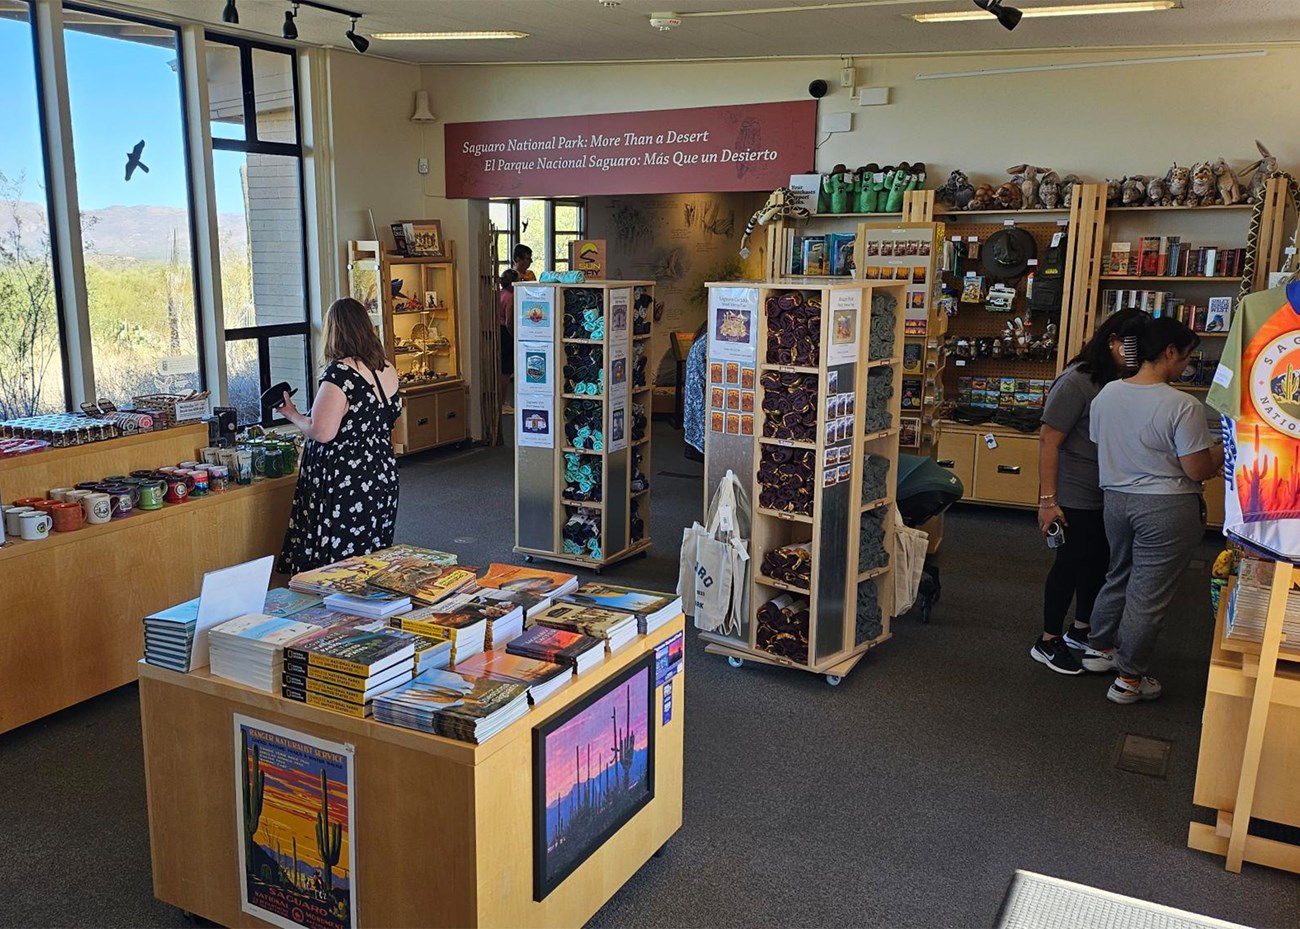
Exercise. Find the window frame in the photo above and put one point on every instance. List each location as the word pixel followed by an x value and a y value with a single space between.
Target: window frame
pixel 549 232
pixel 252 144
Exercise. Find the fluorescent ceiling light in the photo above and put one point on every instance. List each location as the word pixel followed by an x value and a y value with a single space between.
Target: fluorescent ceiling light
pixel 1073 9
pixel 444 36
pixel 1078 65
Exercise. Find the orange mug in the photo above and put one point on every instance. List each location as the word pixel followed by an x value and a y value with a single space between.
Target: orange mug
pixel 29 501
pixel 46 505
pixel 67 516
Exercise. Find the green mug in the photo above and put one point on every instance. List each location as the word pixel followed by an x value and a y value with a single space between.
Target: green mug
pixel 151 495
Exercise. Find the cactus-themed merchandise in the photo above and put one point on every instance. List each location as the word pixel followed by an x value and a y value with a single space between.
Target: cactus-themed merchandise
pixel 296 798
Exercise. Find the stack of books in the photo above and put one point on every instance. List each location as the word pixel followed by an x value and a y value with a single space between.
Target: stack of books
pixel 1248 610
pixel 1170 256
pixel 650 608
pixel 352 575
pixel 169 636
pixel 432 653
pixel 449 704
pixel 423 581
pixel 617 629
pixel 533 582
pixel 283 601
pixel 375 604
pixel 542 678
pixel 343 668
pixel 559 646
pixel 503 612
pixel 248 649
pixel 465 630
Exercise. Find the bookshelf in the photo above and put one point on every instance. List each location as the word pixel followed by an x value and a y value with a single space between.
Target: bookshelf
pixel 582 402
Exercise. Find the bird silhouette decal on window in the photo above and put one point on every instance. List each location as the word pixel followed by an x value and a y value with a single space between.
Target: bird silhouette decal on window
pixel 133 160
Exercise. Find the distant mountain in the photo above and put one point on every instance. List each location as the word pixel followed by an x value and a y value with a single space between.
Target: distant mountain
pixel 140 232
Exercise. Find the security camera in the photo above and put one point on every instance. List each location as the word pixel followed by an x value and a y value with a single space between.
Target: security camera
pixel 817 89
pixel 665 21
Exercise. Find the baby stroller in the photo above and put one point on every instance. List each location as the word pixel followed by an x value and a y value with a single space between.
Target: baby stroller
pixel 924 490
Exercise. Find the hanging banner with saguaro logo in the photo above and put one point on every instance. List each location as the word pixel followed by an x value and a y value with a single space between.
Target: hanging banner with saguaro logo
pixel 715 148
pixel 295 799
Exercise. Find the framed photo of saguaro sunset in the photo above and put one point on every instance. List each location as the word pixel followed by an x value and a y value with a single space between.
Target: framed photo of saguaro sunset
pixel 593 769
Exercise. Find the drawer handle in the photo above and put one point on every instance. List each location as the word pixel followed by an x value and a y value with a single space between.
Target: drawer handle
pixel 423 421
pixel 1008 469
pixel 946 463
pixel 451 415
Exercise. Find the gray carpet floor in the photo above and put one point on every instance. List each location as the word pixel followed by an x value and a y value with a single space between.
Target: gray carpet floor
pixel 907 796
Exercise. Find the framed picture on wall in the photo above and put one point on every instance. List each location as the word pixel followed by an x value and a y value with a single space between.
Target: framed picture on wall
pixel 593 769
pixel 424 238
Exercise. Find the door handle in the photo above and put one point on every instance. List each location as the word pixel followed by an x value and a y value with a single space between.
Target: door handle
pixel 451 415
pixel 1008 469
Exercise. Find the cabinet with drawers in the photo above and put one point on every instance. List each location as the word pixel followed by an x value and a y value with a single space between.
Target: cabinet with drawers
pixel 430 417
pixel 1005 474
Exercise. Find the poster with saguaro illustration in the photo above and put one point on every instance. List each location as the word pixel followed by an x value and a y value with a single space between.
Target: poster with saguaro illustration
pixel 295 799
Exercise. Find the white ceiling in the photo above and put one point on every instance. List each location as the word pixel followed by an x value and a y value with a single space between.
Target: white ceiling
pixel 584 30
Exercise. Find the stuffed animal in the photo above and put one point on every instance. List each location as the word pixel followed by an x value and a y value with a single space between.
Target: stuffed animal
pixel 982 198
pixel 1008 197
pixel 835 187
pixel 1156 193
pixel 783 203
pixel 1264 168
pixel 1049 190
pixel 1203 192
pixel 1229 191
pixel 866 189
pixel 896 184
pixel 1133 190
pixel 1067 189
pixel 917 180
pixel 1178 183
pixel 957 190
pixel 1113 188
pixel 1027 177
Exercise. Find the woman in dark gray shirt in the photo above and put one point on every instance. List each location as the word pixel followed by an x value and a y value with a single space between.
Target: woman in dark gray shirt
pixel 1071 497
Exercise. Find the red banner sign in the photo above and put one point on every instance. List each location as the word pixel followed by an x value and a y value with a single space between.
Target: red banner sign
pixel 702 149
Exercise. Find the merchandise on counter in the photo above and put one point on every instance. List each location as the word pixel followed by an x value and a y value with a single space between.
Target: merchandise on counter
pixel 283 601
pixel 561 646
pixel 785 476
pixel 374 604
pixel 542 678
pixel 650 608
pixel 169 636
pixel 789 406
pixel 466 629
pixel 452 705
pixel 782 627
pixel 528 579
pixel 616 628
pixel 794 328
pixel 248 649
pixel 502 612
pixel 790 564
pixel 421 580
pixel 358 646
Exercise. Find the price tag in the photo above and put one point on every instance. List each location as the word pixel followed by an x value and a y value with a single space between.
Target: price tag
pixel 990 440
pixel 1009 223
pixel 1056 240
pixel 725 523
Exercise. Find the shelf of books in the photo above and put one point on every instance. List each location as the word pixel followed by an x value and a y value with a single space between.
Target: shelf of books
pixel 583 402
pixel 531 727
pixel 824 452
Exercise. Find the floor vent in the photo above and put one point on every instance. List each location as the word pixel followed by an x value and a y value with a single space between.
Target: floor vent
pixel 1141 754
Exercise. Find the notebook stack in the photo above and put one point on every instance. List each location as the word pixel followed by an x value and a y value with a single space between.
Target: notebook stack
pixel 248 649
pixel 503 611
pixel 169 636
pixel 374 604
pixel 466 630
pixel 344 667
pixel 651 609
pixel 542 678
pixel 559 646
pixel 617 629
pixel 452 705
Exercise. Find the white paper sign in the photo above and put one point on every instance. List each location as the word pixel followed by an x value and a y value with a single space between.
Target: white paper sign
pixel 226 594
pixel 535 416
pixel 534 313
pixel 733 324
pixel 534 368
pixel 846 320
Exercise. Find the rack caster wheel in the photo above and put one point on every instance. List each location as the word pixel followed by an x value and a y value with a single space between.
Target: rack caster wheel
pixel 734 661
pixel 833 680
pixel 528 559
pixel 596 571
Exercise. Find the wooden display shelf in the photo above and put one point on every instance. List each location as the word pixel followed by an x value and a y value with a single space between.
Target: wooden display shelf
pixel 786 443
pixel 599 397
pixel 580 561
pixel 1044 213
pixel 1174 206
pixel 586 504
pixel 424 387
pixel 582 451
pixel 456 848
pixel 569 341
pixel 782 514
pixel 765 581
pixel 1157 278
pixel 789 369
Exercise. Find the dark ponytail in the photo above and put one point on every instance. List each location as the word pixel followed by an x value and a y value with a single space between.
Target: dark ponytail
pixel 1095 358
pixel 1146 338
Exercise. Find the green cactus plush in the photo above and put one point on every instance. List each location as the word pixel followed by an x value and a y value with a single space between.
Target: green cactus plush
pixel 824 195
pixel 897 184
pixel 329 836
pixel 917 180
pixel 864 200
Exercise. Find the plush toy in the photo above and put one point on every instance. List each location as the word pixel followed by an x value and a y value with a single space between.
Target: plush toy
pixel 1178 182
pixel 1203 192
pixel 917 180
pixel 957 190
pixel 782 202
pixel 1229 191
pixel 835 189
pixel 1156 193
pixel 1113 191
pixel 1067 189
pixel 1266 166
pixel 865 201
pixel 1007 197
pixel 982 198
pixel 897 186
pixel 1027 177
pixel 1133 190
pixel 1049 190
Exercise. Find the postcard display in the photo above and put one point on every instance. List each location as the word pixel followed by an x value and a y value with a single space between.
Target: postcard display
pixel 825 400
pixel 582 412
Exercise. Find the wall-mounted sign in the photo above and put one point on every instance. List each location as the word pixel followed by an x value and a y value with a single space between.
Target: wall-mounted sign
pixel 720 148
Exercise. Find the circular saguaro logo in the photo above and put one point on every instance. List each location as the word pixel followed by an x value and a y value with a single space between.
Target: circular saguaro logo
pixel 1275 384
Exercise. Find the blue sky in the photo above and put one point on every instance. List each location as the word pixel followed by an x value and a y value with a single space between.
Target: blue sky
pixel 121 92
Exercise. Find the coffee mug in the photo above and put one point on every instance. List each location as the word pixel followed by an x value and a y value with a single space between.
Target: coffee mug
pixel 143 473
pixel 99 508
pixel 12 516
pixel 28 501
pixel 151 495
pixel 120 494
pixel 178 488
pixel 67 517
pixel 35 525
pixel 60 493
pixel 115 479
pixel 45 504
pixel 87 485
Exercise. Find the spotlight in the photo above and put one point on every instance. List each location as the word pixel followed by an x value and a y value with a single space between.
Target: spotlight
pixel 290 30
pixel 1008 16
pixel 361 43
pixel 230 14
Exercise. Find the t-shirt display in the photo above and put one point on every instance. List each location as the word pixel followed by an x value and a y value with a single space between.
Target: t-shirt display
pixel 1068 410
pixel 1141 431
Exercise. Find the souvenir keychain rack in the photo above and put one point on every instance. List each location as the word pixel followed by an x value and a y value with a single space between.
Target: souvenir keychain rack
pixel 799 379
pixel 585 498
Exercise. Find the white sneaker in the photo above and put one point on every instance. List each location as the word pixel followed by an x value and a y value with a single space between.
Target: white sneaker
pixel 1099 662
pixel 1124 692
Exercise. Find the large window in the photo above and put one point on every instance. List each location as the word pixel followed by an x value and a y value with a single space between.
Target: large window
pixel 31 352
pixel 545 226
pixel 257 171
pixel 128 132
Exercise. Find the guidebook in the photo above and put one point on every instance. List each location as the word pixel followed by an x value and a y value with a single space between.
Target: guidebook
pixel 422 581
pixel 651 608
pixel 560 646
pixel 615 627
pixel 530 580
pixel 540 677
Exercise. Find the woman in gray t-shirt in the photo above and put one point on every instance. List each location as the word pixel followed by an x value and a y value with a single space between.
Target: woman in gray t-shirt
pixel 1154 449
pixel 1070 497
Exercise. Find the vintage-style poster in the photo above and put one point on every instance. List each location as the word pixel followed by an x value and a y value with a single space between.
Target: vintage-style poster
pixel 534 313
pixel 294 798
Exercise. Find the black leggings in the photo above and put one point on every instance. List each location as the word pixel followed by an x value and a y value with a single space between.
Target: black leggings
pixel 1078 572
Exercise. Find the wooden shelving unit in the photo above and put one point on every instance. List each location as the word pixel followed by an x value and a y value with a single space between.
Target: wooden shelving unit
pixel 834 638
pixel 550 469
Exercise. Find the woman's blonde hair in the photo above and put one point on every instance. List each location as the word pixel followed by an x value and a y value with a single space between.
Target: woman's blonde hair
pixel 350 334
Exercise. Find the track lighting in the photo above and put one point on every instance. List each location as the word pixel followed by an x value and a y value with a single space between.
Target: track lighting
pixel 230 14
pixel 1008 16
pixel 361 43
pixel 290 30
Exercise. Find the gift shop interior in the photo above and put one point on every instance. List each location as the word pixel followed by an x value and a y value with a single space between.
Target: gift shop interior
pixel 398 399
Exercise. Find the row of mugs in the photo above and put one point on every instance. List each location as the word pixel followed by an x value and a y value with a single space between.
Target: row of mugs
pixel 33 518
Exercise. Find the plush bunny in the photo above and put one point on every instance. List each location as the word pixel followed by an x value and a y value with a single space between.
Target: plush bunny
pixel 1263 168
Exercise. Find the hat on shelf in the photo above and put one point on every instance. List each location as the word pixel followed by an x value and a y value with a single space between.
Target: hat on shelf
pixel 1007 253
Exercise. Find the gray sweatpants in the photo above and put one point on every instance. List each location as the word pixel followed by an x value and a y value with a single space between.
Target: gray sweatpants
pixel 1152 537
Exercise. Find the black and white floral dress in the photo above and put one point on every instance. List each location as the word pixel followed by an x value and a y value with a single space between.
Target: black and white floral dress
pixel 346 500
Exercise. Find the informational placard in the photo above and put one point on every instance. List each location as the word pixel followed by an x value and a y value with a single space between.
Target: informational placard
pixel 846 324
pixel 534 367
pixel 295 798
pixel 903 255
pixel 620 308
pixel 718 148
pixel 536 418
pixel 534 313
pixel 535 394
pixel 668 659
pixel 733 362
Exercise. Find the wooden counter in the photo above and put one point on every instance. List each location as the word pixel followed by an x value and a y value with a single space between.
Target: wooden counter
pixel 72 605
pixel 443 829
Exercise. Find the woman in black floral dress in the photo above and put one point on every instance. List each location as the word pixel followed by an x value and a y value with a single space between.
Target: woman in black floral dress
pixel 346 500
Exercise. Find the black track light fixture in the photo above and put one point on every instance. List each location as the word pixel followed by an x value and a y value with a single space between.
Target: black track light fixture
pixel 1008 16
pixel 290 30
pixel 230 14
pixel 360 42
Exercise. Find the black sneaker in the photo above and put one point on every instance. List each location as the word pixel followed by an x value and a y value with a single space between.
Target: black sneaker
pixel 1056 655
pixel 1077 637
